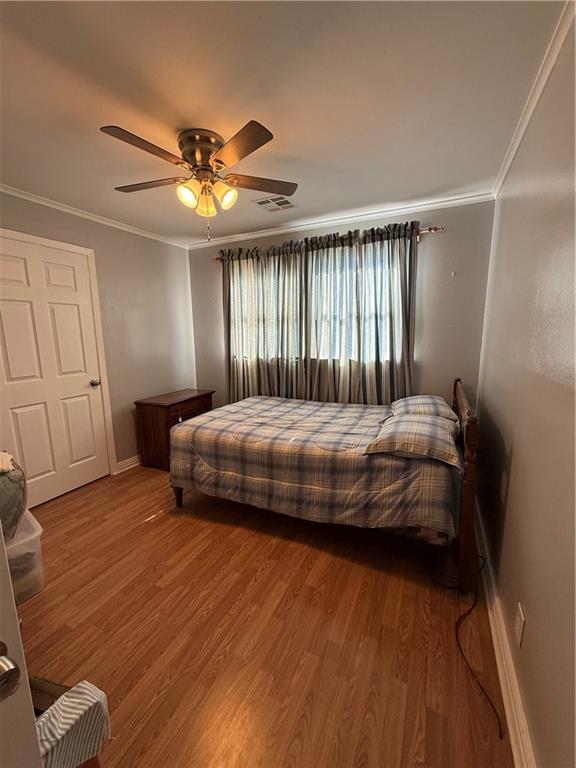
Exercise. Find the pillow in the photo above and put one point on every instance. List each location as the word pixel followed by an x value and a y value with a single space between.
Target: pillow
pixel 416 436
pixel 426 405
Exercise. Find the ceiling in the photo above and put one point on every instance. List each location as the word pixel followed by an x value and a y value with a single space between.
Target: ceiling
pixel 371 104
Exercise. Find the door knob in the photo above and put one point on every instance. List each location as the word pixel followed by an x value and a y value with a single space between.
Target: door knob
pixel 9 674
pixel 95 382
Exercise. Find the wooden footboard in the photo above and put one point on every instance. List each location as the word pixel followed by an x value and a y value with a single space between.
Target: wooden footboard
pixel 468 438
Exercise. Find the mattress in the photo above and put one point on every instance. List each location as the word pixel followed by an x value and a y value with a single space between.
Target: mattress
pixel 306 459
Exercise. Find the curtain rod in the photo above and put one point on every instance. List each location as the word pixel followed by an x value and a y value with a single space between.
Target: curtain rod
pixel 432 230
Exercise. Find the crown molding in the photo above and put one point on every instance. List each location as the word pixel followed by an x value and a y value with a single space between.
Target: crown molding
pixel 349 217
pixel 354 216
pixel 550 56
pixel 32 198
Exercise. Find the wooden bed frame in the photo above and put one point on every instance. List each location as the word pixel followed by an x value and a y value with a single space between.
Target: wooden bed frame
pixel 465 543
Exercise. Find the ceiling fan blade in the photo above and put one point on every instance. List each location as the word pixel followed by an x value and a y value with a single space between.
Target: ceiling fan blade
pixel 248 139
pixel 276 186
pixel 136 141
pixel 151 184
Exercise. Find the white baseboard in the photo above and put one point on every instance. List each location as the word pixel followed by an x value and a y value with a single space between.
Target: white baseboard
pixel 122 466
pixel 518 730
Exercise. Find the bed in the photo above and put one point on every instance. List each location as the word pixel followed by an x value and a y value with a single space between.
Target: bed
pixel 306 459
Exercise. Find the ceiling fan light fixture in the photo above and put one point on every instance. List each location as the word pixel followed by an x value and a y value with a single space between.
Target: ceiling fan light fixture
pixel 225 195
pixel 189 192
pixel 204 154
pixel 206 206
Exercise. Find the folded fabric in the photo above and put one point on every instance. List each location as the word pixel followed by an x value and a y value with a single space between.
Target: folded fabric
pixel 425 405
pixel 73 729
pixel 12 499
pixel 5 462
pixel 418 436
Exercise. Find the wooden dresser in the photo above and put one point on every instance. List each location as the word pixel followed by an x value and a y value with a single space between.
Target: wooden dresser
pixel 155 416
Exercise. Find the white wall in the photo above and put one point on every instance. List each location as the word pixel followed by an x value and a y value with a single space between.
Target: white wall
pixel 449 310
pixel 527 412
pixel 144 289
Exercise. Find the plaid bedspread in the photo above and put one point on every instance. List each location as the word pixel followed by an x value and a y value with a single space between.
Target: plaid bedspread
pixel 306 459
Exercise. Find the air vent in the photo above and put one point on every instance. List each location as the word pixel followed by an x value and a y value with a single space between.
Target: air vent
pixel 276 203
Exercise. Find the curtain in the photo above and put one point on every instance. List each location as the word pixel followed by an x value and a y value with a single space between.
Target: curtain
pixel 328 318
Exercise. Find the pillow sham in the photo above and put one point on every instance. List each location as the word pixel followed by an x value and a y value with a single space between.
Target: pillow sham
pixel 426 405
pixel 416 436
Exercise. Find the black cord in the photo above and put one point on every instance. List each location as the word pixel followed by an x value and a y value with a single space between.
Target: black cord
pixel 458 625
pixel 459 621
pixel 435 572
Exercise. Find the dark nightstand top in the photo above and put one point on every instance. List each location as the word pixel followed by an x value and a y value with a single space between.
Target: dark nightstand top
pixel 172 398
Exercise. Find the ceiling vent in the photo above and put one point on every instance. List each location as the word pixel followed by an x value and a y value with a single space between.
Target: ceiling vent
pixel 276 203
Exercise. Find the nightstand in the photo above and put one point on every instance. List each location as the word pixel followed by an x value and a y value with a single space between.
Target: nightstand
pixel 155 416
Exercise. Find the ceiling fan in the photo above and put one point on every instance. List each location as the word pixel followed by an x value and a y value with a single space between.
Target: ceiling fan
pixel 204 156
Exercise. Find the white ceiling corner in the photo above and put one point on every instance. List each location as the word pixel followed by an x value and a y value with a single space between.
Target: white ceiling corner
pixel 552 52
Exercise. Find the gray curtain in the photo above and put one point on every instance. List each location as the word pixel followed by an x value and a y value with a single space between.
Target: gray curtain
pixel 328 318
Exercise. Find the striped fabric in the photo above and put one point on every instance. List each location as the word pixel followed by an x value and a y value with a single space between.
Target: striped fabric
pixel 73 729
pixel 425 405
pixel 306 459
pixel 414 436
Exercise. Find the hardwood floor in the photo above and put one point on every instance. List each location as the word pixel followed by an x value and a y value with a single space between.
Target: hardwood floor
pixel 225 636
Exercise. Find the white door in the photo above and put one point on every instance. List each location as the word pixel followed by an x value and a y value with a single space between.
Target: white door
pixel 51 415
pixel 18 742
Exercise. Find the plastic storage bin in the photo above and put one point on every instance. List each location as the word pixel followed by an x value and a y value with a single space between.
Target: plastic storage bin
pixel 24 552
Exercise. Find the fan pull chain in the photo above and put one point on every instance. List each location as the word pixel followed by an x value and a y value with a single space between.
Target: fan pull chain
pixel 208 230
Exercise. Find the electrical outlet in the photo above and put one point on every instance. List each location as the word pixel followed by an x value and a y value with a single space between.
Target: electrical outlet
pixel 519 625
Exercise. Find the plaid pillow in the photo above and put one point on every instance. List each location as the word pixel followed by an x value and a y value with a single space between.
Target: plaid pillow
pixel 425 405
pixel 418 437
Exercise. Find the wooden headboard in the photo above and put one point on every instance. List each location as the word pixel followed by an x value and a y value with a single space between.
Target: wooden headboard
pixel 468 440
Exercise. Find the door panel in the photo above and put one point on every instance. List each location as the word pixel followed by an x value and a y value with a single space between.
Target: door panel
pixel 60 276
pixel 33 440
pixel 13 270
pixel 79 428
pixel 52 418
pixel 19 340
pixel 67 337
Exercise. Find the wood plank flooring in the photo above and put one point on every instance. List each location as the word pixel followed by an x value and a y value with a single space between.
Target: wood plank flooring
pixel 230 637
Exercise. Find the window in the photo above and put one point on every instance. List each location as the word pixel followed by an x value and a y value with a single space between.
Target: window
pixel 339 306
